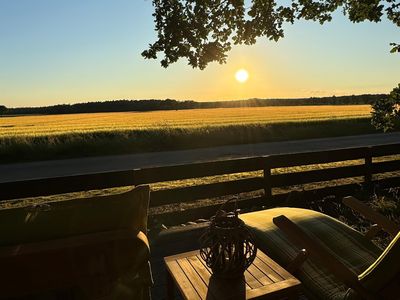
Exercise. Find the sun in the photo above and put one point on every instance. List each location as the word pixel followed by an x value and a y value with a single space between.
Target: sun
pixel 242 75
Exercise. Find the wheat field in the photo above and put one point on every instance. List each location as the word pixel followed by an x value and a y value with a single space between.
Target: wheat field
pixel 45 125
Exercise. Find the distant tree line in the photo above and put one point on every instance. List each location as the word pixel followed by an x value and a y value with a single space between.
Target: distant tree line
pixel 169 104
pixel 3 109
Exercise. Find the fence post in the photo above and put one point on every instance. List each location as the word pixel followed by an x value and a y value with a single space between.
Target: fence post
pixel 368 167
pixel 267 180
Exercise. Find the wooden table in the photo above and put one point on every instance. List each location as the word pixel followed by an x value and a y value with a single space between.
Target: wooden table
pixel 264 279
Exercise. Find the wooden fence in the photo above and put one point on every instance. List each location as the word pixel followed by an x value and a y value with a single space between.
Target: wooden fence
pixel 266 182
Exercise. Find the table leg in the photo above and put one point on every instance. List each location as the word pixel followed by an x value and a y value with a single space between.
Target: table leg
pixel 170 287
pixel 293 296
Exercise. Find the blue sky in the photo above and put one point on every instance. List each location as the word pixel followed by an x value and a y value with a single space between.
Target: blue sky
pixel 54 51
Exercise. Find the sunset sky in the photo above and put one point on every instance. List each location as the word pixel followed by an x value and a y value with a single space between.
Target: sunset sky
pixel 76 51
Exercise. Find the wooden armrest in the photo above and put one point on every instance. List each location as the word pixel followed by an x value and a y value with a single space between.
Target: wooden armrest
pixel 317 250
pixel 383 222
pixel 296 263
pixel 142 237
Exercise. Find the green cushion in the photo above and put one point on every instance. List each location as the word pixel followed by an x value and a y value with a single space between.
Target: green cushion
pixel 347 244
pixel 385 269
pixel 75 217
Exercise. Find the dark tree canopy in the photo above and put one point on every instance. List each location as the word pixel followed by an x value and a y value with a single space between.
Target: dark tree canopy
pixel 386 112
pixel 204 31
pixel 3 109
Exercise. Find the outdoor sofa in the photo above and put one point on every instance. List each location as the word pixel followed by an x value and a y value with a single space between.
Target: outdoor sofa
pixel 77 249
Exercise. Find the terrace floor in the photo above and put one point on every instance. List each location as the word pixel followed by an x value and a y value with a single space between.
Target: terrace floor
pixel 169 242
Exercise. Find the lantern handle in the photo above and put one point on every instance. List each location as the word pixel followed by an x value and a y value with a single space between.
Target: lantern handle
pixel 225 203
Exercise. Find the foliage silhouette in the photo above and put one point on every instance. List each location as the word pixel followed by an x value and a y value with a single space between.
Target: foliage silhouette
pixel 203 31
pixel 386 112
pixel 3 109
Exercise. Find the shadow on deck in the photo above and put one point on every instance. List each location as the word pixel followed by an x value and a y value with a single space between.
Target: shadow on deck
pixel 169 242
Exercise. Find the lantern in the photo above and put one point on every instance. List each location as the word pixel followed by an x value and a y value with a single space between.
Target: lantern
pixel 227 246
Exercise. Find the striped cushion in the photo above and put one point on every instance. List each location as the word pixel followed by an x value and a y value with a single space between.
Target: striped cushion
pixel 347 244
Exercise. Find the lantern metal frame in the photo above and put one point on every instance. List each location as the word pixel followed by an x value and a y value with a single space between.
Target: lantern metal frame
pixel 227 245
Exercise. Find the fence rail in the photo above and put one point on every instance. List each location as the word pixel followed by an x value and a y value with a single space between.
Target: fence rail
pixel 365 168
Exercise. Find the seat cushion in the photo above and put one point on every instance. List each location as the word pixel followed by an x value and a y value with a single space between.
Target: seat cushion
pixel 347 244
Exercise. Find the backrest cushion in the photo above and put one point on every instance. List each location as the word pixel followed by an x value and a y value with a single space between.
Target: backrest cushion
pixel 384 271
pixel 61 219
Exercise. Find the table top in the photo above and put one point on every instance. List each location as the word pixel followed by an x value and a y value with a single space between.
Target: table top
pixel 264 279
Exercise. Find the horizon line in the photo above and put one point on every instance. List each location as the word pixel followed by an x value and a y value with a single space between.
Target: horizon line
pixel 199 101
